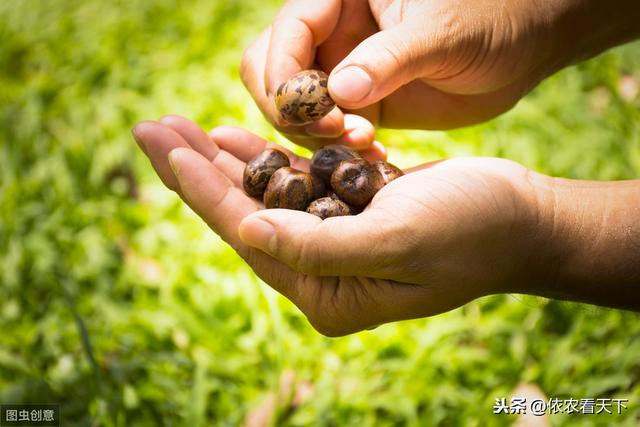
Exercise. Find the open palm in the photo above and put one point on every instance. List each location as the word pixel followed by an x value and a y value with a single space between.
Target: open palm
pixel 440 236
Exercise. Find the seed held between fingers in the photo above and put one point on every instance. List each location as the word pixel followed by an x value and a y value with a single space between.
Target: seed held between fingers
pixel 304 98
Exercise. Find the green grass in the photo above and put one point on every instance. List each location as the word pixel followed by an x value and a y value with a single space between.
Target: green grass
pixel 119 304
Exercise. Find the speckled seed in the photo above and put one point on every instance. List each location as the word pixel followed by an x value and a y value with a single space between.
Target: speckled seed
pixel 289 188
pixel 356 182
pixel 258 171
pixel 354 210
pixel 326 160
pixel 327 207
pixel 389 172
pixel 304 98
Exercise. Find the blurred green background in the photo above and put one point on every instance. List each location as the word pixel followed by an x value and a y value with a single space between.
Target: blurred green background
pixel 119 304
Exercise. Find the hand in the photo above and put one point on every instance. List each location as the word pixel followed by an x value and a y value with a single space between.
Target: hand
pixel 426 64
pixel 434 239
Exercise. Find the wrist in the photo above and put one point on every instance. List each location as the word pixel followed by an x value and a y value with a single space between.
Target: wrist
pixel 584 28
pixel 588 241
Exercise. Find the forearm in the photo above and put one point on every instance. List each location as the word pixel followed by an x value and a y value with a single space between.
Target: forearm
pixel 590 237
pixel 589 27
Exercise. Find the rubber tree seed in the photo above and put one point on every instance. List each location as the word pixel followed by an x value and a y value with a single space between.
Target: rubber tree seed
pixel 389 172
pixel 356 181
pixel 289 188
pixel 304 98
pixel 326 207
pixel 319 187
pixel 326 160
pixel 259 170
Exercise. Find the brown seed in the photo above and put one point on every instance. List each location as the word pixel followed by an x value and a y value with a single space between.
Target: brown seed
pixel 259 170
pixel 389 172
pixel 327 207
pixel 326 160
pixel 333 195
pixel 304 98
pixel 319 187
pixel 289 188
pixel 356 182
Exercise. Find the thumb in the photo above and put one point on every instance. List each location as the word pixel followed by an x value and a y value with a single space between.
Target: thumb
pixel 379 65
pixel 338 246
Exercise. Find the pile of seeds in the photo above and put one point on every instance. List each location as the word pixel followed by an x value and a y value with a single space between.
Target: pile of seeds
pixel 340 182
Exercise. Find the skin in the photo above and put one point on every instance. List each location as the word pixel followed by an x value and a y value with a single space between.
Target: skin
pixel 453 231
pixel 434 64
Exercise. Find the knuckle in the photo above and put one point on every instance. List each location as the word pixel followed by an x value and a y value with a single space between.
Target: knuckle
pixel 396 50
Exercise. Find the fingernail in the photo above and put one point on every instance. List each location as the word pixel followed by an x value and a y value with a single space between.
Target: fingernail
pixel 259 234
pixel 172 157
pixel 351 83
pixel 138 140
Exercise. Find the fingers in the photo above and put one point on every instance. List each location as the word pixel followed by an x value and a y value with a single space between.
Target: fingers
pixel 205 182
pixel 252 69
pixel 357 131
pixel 346 138
pixel 299 28
pixel 157 141
pixel 377 152
pixel 192 134
pixel 358 134
pixel 329 126
pixel 361 245
pixel 356 23
pixel 245 146
pixel 222 206
pixel 252 72
pixel 381 64
pixel 274 57
pixel 203 144
pixel 210 193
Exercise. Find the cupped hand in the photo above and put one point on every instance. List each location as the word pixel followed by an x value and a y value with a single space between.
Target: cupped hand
pixel 430 241
pixel 405 63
